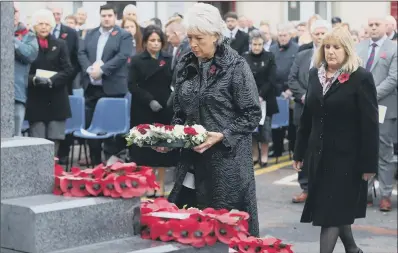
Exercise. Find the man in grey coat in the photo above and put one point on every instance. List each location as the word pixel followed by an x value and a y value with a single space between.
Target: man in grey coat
pixel 298 83
pixel 379 56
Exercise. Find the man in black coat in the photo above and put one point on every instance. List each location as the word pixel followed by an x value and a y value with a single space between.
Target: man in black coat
pixel 239 39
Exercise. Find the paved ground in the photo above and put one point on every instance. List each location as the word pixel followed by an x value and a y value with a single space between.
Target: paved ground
pixel 279 217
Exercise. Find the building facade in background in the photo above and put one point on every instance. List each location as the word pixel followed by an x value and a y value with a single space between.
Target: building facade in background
pixel 355 13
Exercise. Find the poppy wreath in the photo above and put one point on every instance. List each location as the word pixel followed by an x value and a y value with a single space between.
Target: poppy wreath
pixel 119 180
pixel 167 135
pixel 249 244
pixel 200 228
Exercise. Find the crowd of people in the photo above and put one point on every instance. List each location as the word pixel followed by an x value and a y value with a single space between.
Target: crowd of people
pixel 201 68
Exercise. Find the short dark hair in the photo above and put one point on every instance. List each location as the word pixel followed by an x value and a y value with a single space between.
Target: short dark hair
pixel 231 15
pixel 107 7
pixel 336 20
pixel 148 32
pixel 157 22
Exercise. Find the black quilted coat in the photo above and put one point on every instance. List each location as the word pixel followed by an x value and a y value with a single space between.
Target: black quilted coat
pixel 226 101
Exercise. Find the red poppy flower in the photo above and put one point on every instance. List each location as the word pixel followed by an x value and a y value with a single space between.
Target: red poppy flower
pixel 114 33
pixel 158 125
pixel 128 60
pixel 210 210
pixel 224 232
pixel 211 238
pixel 190 131
pixel 65 184
pixel 108 186
pixel 250 245
pixel 147 172
pixel 79 188
pixel 169 128
pixel 201 230
pixel 162 63
pixel 285 248
pixel 184 229
pixel 147 222
pixel 383 55
pixel 343 77
pixel 143 126
pixel 64 35
pixel 57 186
pixel 94 187
pixel 164 230
pixel 123 168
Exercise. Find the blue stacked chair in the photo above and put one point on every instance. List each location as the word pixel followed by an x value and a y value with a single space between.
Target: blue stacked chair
pixel 76 122
pixel 281 119
pixel 111 118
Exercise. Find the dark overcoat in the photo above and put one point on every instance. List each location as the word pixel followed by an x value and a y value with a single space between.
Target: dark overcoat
pixel 50 104
pixel 150 79
pixel 227 103
pixel 264 71
pixel 340 133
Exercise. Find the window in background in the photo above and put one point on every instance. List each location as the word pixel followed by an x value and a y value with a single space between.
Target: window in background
pixel 293 11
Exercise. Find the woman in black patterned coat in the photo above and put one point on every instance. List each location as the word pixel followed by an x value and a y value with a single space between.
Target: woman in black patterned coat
pixel 214 87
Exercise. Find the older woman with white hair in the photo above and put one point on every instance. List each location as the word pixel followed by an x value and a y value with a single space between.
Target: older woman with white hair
pixel 214 87
pixel 337 140
pixel 48 102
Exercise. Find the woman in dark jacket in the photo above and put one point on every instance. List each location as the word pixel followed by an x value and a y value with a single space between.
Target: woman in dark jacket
pixel 262 64
pixel 48 102
pixel 215 88
pixel 149 83
pixel 338 135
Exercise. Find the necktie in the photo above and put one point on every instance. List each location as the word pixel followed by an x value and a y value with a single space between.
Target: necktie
pixel 232 35
pixel 371 57
pixel 55 32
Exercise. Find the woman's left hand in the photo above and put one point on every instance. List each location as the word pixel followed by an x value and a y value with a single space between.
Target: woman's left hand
pixel 212 138
pixel 368 176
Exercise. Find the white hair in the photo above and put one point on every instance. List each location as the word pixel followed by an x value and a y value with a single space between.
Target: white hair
pixel 391 20
pixel 321 23
pixel 129 8
pixel 205 18
pixel 43 15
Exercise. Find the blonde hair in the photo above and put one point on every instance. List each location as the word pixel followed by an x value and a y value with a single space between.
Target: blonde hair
pixel 173 20
pixel 341 36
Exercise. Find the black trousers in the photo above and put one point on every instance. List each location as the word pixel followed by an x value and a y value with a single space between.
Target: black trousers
pixel 112 146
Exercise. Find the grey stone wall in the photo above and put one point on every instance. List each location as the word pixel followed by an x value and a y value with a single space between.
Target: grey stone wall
pixel 7 68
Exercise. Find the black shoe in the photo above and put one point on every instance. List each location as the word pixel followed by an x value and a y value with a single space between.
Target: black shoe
pixel 63 160
pixel 255 162
pixel 263 165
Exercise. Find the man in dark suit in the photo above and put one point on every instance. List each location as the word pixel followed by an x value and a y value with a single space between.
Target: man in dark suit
pixel 70 36
pixel 103 56
pixel 298 83
pixel 239 39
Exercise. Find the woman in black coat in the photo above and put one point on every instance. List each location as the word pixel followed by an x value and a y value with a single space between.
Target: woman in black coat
pixel 149 83
pixel 262 64
pixel 338 138
pixel 48 100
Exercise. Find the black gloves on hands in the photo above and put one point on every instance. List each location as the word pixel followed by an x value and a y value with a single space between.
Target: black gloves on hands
pixel 155 106
pixel 42 82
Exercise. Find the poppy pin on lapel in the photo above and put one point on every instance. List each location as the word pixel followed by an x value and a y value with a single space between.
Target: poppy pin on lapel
pixel 383 55
pixel 64 35
pixel 114 33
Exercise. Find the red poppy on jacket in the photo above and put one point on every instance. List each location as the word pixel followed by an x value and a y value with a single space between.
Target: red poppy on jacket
pixel 162 63
pixel 128 60
pixel 383 55
pixel 343 77
pixel 213 69
pixel 114 33
pixel 64 35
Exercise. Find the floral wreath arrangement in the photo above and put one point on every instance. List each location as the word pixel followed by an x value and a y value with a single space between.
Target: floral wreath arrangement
pixel 164 221
pixel 172 136
pixel 126 180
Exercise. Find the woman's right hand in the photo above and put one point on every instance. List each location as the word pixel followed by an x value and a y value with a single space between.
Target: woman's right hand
pixel 297 165
pixel 162 149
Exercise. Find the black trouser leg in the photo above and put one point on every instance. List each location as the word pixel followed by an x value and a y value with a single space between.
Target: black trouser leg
pixel 277 139
pixel 64 147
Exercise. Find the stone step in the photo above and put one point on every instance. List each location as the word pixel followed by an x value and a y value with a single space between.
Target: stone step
pixel 27 167
pixel 48 223
pixel 138 245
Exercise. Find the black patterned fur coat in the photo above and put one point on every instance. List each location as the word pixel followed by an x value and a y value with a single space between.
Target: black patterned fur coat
pixel 225 101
